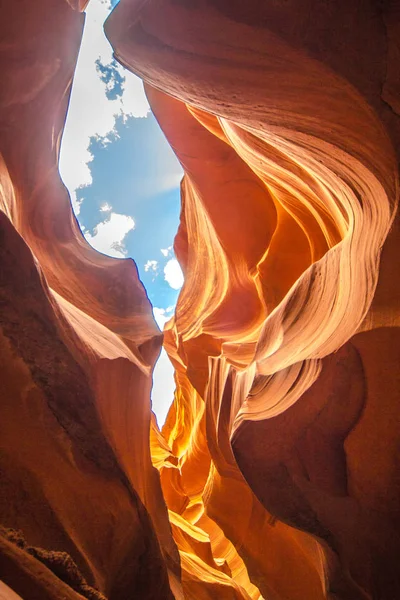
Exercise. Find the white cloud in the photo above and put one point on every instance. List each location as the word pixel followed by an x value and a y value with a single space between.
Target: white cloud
pixel 105 207
pixel 90 112
pixel 151 265
pixel 171 180
pixel 109 235
pixel 162 393
pixel 162 315
pixel 173 274
pixel 166 251
pixel 76 204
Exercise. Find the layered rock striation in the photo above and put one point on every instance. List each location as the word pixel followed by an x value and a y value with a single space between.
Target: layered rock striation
pixel 276 473
pixel 78 344
pixel 285 337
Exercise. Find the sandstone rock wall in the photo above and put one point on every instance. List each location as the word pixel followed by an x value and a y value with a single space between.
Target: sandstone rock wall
pixel 78 343
pixel 285 337
pixel 276 473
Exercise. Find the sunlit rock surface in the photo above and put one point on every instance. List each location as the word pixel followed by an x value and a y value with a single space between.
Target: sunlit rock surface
pixel 284 432
pixel 77 345
pixel 276 474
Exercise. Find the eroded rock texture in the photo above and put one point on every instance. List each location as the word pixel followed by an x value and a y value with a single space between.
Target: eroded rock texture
pixel 78 343
pixel 276 474
pixel 284 429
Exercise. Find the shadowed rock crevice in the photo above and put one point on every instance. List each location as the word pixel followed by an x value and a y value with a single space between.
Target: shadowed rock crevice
pixel 60 563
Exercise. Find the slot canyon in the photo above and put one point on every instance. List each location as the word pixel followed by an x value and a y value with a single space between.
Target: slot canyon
pixel 276 475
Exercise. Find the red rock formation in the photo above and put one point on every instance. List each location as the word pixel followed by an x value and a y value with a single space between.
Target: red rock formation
pixel 78 343
pixel 285 118
pixel 278 461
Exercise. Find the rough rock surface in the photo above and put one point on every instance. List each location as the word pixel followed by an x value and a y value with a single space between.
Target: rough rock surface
pixel 276 474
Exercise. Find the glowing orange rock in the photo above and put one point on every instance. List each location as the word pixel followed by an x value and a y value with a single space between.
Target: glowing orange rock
pixel 285 337
pixel 78 343
pixel 276 473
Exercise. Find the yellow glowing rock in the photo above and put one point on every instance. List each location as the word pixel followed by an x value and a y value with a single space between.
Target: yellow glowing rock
pixel 275 475
pixel 285 335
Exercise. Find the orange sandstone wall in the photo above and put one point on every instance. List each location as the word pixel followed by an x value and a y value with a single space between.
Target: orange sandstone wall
pixel 275 475
pixel 81 506
pixel 284 432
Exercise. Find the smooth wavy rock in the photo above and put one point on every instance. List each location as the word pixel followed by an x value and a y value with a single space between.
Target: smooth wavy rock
pixel 78 343
pixel 284 432
pixel 275 475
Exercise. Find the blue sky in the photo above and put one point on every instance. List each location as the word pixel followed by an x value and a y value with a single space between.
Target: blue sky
pixel 135 175
pixel 123 177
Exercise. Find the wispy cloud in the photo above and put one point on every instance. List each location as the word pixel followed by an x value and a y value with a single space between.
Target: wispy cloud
pixel 108 236
pixel 173 274
pixel 151 266
pixel 105 207
pixel 112 77
pixel 102 91
pixel 166 251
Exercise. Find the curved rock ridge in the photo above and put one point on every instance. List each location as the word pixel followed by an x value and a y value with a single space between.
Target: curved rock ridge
pixel 283 433
pixel 275 475
pixel 78 345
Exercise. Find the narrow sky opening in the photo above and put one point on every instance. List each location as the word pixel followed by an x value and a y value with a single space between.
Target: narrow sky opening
pixel 123 178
